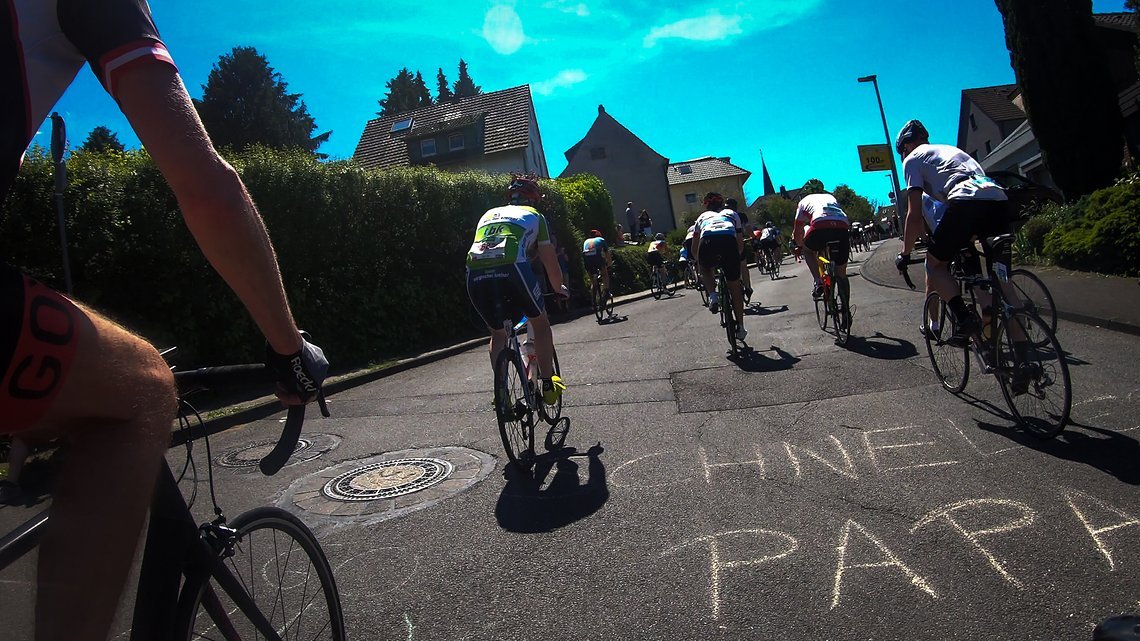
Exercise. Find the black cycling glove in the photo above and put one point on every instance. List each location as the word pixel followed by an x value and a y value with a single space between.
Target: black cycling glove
pixel 300 373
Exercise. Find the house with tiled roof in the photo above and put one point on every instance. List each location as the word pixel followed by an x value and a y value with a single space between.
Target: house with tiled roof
pixel 988 115
pixel 631 170
pixel 495 132
pixel 690 180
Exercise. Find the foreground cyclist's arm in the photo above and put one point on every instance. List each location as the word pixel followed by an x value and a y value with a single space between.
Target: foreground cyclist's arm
pixel 215 204
pixel 553 271
pixel 914 224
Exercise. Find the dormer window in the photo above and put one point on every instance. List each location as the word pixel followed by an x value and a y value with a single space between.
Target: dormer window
pixel 403 124
pixel 685 169
pixel 427 147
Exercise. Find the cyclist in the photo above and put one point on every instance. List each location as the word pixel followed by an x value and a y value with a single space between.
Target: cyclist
pixel 596 255
pixel 819 221
pixel 770 242
pixel 655 257
pixel 501 281
pixel 745 277
pixel 717 242
pixel 975 206
pixel 69 372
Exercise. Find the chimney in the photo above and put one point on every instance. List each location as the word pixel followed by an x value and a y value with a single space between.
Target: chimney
pixel 601 110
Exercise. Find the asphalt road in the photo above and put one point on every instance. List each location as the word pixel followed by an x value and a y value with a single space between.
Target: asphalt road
pixel 809 491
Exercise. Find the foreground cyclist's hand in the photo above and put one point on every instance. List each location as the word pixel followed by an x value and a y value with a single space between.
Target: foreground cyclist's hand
pixel 299 375
pixel 564 292
pixel 901 262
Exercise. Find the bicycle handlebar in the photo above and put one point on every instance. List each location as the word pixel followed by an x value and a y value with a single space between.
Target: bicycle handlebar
pixel 272 462
pixel 906 274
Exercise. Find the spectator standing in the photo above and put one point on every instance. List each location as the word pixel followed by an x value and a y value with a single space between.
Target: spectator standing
pixel 630 218
pixel 645 224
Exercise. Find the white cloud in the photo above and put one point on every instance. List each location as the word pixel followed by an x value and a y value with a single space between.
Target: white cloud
pixel 569 6
pixel 710 28
pixel 503 29
pixel 565 78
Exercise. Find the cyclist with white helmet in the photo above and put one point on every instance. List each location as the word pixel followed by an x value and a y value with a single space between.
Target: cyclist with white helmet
pixel 718 242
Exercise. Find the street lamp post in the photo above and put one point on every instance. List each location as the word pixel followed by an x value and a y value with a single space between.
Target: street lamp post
pixel 900 206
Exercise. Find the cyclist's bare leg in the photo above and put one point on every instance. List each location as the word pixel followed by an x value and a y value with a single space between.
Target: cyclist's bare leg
pixel 114 411
pixel 811 259
pixel 498 342
pixel 737 301
pixel 708 279
pixel 744 277
pixel 543 345
pixel 606 279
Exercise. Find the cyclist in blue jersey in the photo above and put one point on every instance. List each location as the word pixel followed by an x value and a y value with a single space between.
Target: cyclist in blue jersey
pixel 501 282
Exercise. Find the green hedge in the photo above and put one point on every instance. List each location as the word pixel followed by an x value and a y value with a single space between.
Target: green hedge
pixel 373 261
pixel 630 272
pixel 1099 233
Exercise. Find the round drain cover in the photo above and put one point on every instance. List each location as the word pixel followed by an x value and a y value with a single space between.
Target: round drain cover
pixel 388 479
pixel 308 448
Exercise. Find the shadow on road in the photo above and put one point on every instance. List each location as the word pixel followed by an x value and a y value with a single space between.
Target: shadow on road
pixel 611 320
pixel 751 360
pixel 556 495
pixel 756 309
pixel 883 347
pixel 1108 451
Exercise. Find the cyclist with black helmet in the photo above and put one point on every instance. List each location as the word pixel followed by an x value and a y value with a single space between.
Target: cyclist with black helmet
pixel 501 282
pixel 769 242
pixel 975 206
pixel 719 242
pixel 655 256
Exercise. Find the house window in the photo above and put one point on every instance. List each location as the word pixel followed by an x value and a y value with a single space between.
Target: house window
pixel 455 142
pixel 690 198
pixel 973 123
pixel 989 147
pixel 427 147
pixel 597 153
pixel 401 125
pixel 685 169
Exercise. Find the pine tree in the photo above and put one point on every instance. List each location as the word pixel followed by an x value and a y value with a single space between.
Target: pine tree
pixel 402 94
pixel 422 95
pixel 1069 98
pixel 245 102
pixel 102 139
pixel 443 91
pixel 465 86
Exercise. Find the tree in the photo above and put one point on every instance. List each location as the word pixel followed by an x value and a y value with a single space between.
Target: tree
pixel 443 90
pixel 1069 96
pixel 245 102
pixel 102 139
pixel 781 211
pixel 405 92
pixel 855 206
pixel 465 86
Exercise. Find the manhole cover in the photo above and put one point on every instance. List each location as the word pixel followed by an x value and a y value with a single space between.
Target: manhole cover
pixel 308 448
pixel 388 479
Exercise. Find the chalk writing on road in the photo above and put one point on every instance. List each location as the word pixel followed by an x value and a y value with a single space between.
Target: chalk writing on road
pixel 1026 517
pixel 1077 500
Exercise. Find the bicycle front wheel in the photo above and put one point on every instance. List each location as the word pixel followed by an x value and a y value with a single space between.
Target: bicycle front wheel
pixel 1035 383
pixel 513 408
pixel 821 306
pixel 655 287
pixel 596 298
pixel 841 315
pixel 951 364
pixel 282 568
pixel 1035 297
pixel 774 272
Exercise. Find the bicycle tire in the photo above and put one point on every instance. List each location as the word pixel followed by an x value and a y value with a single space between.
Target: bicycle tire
pixel 842 327
pixel 610 303
pixel 513 409
pixel 549 415
pixel 945 358
pixel 1035 296
pixel 821 309
pixel 596 299
pixel 655 287
pixel 1039 413
pixel 774 271
pixel 290 540
pixel 727 315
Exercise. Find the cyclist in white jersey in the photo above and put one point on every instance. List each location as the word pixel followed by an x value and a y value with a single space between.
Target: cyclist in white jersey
pixel 501 282
pixel 718 242
pixel 819 221
pixel 976 206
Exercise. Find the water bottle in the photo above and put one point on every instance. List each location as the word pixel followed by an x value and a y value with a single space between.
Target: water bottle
pixel 528 352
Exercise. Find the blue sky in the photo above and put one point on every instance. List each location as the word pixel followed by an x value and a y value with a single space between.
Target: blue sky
pixel 690 79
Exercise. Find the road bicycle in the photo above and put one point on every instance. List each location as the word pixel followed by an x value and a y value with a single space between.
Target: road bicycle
pixel 603 308
pixel 773 261
pixel 829 306
pixel 689 274
pixel 662 285
pixel 728 318
pixel 518 394
pixel 1015 345
pixel 261 575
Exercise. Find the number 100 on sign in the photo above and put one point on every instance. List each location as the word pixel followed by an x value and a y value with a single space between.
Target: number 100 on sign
pixel 875 157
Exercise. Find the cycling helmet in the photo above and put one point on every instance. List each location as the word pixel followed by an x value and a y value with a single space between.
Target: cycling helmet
pixel 814 186
pixel 911 132
pixel 524 188
pixel 731 203
pixel 769 224
pixel 714 201
pixel 595 233
pixel 659 237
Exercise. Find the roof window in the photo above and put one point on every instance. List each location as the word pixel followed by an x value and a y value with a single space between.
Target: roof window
pixel 401 125
pixel 685 169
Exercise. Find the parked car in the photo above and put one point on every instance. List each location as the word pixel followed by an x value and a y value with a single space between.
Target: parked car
pixel 1024 192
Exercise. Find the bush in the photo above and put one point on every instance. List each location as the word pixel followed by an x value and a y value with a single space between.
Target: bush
pixel 630 272
pixel 372 261
pixel 1100 233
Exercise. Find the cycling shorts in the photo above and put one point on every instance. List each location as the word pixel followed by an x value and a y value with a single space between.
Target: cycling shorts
pixel 594 263
pixel 654 259
pixel 39 335
pixel 505 293
pixel 720 251
pixel 965 219
pixel 768 243
pixel 817 239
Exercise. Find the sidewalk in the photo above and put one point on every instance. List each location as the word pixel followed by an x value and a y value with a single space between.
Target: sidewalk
pixel 1110 302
